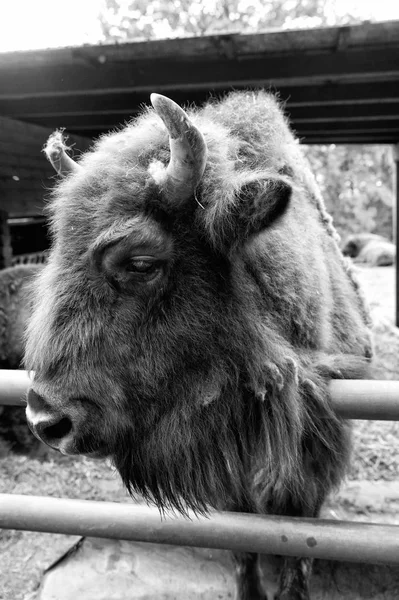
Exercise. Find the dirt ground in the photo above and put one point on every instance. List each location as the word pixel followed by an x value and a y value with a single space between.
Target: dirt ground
pixel 370 494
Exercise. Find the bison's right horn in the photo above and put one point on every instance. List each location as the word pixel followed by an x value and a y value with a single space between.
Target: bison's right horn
pixel 187 149
pixel 55 152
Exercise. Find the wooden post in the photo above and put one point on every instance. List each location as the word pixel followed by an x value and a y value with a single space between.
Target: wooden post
pixel 396 226
pixel 5 241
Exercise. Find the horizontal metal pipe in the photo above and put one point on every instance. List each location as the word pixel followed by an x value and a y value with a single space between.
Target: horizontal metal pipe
pixel 13 387
pixel 366 399
pixel 352 399
pixel 336 540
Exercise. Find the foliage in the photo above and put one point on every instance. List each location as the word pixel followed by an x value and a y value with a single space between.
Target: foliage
pixel 123 20
pixel 357 186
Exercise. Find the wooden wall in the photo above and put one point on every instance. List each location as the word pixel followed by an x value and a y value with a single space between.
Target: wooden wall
pixel 25 174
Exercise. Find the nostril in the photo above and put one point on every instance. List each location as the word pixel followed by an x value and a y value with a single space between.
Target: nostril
pixel 36 403
pixel 50 424
pixel 56 430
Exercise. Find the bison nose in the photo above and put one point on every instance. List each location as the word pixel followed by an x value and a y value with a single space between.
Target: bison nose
pixel 49 426
pixel 52 430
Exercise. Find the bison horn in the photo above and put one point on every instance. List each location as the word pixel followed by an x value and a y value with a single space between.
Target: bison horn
pixel 187 149
pixel 55 152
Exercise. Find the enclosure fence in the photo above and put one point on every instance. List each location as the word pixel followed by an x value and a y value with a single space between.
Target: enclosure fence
pixel 319 538
pixel 32 258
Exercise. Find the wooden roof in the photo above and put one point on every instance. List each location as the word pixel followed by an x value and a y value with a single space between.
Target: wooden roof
pixel 340 84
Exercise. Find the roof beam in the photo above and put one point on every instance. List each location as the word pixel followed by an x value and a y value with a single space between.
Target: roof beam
pixel 113 102
pixel 303 69
pixel 229 45
pixel 298 115
pixel 335 83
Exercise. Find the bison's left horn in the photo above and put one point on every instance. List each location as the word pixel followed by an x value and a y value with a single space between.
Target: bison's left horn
pixel 55 152
pixel 187 149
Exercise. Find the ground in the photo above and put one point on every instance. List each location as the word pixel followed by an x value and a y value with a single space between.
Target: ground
pixel 371 493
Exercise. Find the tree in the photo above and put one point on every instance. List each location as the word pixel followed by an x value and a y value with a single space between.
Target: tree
pixel 357 186
pixel 129 20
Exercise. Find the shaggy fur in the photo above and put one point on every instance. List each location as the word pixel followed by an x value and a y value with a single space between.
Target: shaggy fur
pixel 209 387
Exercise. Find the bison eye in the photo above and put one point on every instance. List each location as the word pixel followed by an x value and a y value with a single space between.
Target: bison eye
pixel 144 265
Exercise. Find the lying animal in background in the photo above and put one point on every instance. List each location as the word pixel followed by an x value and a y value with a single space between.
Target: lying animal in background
pixel 193 311
pixel 377 254
pixel 368 248
pixel 14 311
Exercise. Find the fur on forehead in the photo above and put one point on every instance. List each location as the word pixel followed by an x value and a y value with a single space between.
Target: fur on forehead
pixel 247 138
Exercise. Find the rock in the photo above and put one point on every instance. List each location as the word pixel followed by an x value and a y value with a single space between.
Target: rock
pixel 334 580
pixel 100 569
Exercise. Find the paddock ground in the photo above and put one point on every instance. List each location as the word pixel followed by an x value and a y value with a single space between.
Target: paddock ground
pixel 371 492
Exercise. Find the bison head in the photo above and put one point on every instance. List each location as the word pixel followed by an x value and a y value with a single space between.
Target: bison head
pixel 164 316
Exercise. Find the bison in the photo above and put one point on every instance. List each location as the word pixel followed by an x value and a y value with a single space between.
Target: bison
pixel 369 248
pixel 193 310
pixel 14 311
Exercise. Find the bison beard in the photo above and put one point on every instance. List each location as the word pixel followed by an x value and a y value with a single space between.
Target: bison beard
pixel 203 367
pixel 278 452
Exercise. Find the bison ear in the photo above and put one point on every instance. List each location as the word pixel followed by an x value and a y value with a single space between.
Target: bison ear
pixel 258 204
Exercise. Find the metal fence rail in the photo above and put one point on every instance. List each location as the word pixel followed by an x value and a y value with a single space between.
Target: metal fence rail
pixel 353 399
pixel 336 540
pixel 13 387
pixel 32 258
